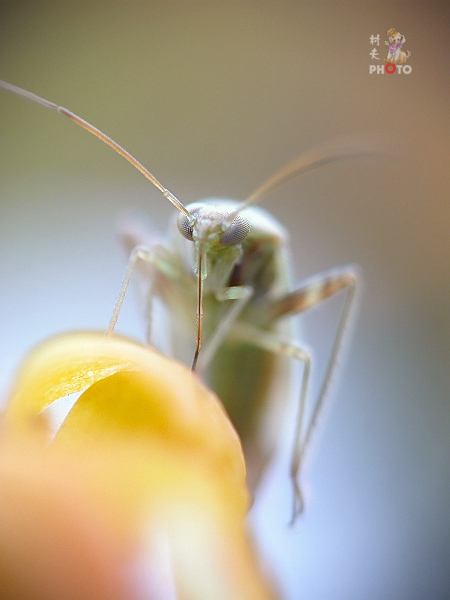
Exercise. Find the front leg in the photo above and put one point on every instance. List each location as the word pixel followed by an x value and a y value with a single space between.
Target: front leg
pixel 241 295
pixel 158 259
pixel 218 279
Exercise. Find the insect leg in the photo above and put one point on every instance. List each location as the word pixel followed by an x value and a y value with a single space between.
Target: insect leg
pixel 150 255
pixel 311 294
pixel 273 342
pixel 241 294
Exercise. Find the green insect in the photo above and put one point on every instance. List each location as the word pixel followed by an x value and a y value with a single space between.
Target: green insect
pixel 224 275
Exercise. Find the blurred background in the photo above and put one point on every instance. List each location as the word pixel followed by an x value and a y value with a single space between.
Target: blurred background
pixel 213 97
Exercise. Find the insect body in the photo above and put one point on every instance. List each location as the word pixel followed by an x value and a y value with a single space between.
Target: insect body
pixel 224 275
pixel 245 299
pixel 242 281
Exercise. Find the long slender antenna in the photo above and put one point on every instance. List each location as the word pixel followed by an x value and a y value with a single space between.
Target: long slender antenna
pixel 309 161
pixel 102 136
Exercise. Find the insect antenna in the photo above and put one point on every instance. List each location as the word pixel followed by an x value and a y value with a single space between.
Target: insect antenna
pixel 102 136
pixel 309 161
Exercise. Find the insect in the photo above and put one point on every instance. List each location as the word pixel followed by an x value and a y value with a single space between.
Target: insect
pixel 225 277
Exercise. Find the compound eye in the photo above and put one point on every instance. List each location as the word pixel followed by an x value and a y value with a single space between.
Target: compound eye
pixel 236 232
pixel 184 227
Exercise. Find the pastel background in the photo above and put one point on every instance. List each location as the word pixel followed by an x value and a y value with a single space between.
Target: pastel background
pixel 213 97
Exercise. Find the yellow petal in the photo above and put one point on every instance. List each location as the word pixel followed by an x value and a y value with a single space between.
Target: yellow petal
pixel 148 395
pixel 186 418
pixel 54 542
pixel 103 521
pixel 149 452
pixel 70 363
